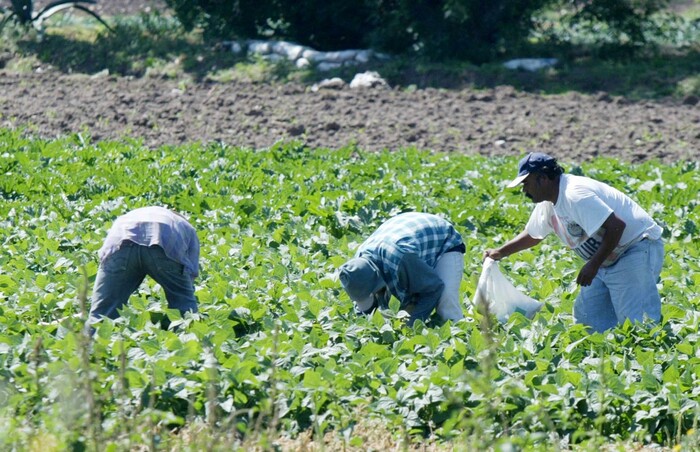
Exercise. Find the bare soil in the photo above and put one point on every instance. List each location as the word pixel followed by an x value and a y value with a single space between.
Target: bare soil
pixel 499 121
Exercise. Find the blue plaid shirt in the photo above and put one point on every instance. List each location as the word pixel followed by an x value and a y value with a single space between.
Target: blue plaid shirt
pixel 423 235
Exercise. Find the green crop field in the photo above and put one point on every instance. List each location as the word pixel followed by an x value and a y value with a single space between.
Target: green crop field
pixel 276 352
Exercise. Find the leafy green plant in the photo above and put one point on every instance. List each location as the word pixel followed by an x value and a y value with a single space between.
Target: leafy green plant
pixel 22 11
pixel 276 350
pixel 626 20
pixel 471 30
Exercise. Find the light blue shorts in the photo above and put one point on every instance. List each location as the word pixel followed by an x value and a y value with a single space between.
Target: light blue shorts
pixel 625 290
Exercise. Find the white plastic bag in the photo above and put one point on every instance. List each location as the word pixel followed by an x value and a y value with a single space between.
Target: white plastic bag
pixel 500 295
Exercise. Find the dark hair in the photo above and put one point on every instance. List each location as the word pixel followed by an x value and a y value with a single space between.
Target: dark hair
pixel 552 170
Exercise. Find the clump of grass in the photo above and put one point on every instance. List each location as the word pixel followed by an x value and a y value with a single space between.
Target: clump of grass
pixel 689 86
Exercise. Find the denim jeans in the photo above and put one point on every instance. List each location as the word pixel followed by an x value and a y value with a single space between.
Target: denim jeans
pixel 449 268
pixel 624 290
pixel 122 273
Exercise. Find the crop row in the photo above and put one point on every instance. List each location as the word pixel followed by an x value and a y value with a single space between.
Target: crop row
pixel 276 346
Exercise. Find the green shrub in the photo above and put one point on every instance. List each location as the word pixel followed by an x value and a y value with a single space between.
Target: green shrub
pixel 627 20
pixel 436 29
pixel 226 18
pixel 329 24
pixel 465 29
pixel 474 30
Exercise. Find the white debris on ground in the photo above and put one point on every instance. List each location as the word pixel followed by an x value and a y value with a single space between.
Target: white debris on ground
pixel 369 79
pixel 303 56
pixel 329 83
pixel 530 64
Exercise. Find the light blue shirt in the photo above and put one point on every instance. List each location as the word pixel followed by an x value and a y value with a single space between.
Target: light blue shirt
pixel 149 226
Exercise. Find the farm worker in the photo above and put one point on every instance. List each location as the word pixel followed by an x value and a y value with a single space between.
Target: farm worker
pixel 151 241
pixel 619 241
pixel 416 257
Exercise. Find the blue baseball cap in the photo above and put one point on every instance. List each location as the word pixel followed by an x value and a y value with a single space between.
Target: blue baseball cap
pixel 531 163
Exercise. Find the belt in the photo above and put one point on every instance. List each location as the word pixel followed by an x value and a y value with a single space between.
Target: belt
pixel 457 249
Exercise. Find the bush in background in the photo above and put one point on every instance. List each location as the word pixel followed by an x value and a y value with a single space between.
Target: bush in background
pixel 470 29
pixel 626 20
pixel 463 29
pixel 473 30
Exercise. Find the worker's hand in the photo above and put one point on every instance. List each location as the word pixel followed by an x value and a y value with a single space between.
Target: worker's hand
pixel 493 254
pixel 587 273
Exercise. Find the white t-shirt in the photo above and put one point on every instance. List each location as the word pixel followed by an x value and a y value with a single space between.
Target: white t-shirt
pixel 580 211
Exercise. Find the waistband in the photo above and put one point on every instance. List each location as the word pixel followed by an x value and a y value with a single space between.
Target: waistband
pixel 457 249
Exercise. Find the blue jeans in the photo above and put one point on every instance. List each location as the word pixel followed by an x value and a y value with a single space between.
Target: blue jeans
pixel 123 272
pixel 624 290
